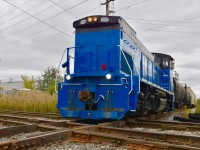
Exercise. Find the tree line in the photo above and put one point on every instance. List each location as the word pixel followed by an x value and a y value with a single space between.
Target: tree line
pixel 45 82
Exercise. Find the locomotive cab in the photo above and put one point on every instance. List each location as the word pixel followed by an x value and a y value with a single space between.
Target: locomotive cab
pixel 164 61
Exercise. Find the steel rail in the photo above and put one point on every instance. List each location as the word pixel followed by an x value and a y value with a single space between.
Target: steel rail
pixel 13 123
pixel 164 126
pixel 43 125
pixel 147 135
pixel 131 124
pixel 25 118
pixel 36 141
pixel 119 140
pixel 169 122
pixel 88 136
pixel 37 114
pixel 9 131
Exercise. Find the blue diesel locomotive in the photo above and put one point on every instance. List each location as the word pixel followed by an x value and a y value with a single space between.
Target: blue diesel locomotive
pixel 114 74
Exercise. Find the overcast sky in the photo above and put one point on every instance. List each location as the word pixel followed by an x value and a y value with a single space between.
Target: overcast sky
pixel 31 42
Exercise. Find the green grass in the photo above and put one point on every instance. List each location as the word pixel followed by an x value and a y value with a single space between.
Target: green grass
pixel 35 101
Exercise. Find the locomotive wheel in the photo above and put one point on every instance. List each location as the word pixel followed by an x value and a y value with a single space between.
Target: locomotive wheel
pixel 145 105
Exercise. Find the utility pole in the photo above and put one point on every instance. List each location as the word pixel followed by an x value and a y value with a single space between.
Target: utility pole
pixel 108 12
pixel 107 8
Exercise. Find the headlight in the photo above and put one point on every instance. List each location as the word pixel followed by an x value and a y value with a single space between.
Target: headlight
pixel 68 77
pixel 108 76
pixel 83 21
pixel 104 19
pixel 89 19
pixel 95 19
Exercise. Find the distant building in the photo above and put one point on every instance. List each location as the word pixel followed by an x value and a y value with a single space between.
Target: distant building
pixel 10 87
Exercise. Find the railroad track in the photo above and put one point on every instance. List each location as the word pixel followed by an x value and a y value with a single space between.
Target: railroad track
pixel 19 131
pixel 36 114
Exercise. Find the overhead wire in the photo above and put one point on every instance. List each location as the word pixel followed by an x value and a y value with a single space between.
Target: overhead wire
pixel 35 34
pixel 63 8
pixel 78 4
pixel 9 50
pixel 131 5
pixel 176 43
pixel 156 20
pixel 26 19
pixel 171 23
pixel 194 33
pixel 19 15
pixel 163 24
pixel 38 19
pixel 65 21
pixel 34 25
pixel 28 1
pixel 175 31
pixel 79 15
pixel 28 59
pixel 26 28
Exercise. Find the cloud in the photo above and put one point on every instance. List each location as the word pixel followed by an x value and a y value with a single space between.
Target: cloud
pixel 28 46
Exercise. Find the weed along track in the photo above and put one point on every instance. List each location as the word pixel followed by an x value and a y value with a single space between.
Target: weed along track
pixel 19 131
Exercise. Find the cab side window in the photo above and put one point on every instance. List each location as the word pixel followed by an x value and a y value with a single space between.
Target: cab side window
pixel 165 63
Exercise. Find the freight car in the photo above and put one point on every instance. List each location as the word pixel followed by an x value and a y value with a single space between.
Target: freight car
pixel 184 96
pixel 114 74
